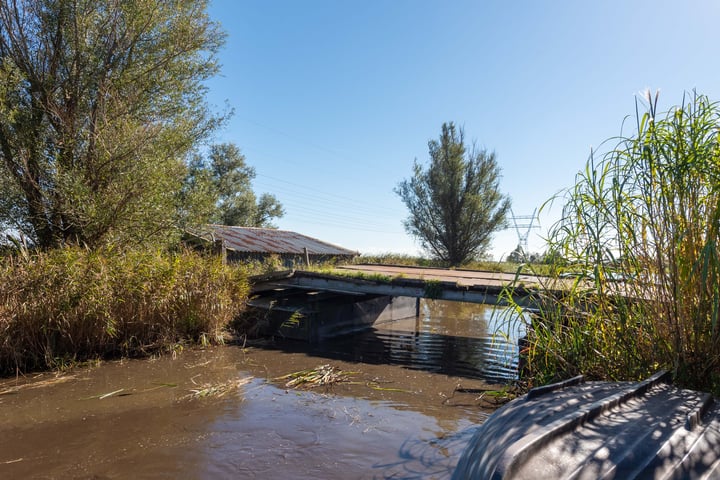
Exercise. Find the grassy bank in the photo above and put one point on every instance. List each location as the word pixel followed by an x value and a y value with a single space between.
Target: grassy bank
pixel 71 305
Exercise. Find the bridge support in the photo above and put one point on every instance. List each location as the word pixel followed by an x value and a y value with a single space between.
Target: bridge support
pixel 313 320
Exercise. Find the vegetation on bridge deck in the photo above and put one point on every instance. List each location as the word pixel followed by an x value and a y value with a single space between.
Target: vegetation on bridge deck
pixel 401 281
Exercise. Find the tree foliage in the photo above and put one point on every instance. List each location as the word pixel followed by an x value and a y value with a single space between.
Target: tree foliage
pixel 224 181
pixel 455 204
pixel 516 256
pixel 100 103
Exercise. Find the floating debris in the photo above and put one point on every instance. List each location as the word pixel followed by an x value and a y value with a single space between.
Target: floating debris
pixel 110 394
pixel 35 384
pixel 324 375
pixel 102 396
pixel 489 397
pixel 217 389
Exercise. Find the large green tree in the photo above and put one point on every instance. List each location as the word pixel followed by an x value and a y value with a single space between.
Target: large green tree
pixel 222 185
pixel 100 103
pixel 455 204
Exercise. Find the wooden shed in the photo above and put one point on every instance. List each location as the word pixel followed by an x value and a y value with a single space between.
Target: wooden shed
pixel 261 244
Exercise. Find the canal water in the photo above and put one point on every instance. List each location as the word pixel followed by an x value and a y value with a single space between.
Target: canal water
pixel 416 390
pixel 450 338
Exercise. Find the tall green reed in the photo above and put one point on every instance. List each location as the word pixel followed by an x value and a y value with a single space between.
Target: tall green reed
pixel 71 304
pixel 641 228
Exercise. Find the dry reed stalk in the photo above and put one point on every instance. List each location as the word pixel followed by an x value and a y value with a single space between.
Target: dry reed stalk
pixel 322 376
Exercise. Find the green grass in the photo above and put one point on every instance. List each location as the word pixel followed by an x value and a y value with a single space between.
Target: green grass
pixel 433 289
pixel 487 265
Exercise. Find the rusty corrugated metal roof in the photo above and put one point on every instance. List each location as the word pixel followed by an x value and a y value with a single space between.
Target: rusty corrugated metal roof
pixel 269 240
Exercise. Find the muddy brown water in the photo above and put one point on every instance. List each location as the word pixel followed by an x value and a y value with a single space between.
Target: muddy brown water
pixel 412 402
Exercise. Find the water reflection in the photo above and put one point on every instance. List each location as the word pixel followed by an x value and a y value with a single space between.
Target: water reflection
pixel 451 338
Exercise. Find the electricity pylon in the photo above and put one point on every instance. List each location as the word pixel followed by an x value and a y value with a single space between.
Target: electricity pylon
pixel 523 225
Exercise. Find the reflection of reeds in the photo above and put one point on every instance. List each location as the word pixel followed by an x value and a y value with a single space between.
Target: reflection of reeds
pixel 324 375
pixel 637 253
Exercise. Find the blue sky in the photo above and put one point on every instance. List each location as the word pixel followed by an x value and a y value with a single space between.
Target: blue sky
pixel 334 100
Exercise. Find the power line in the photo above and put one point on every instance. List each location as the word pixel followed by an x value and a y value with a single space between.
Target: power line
pixel 336 220
pixel 319 194
pixel 317 207
pixel 323 206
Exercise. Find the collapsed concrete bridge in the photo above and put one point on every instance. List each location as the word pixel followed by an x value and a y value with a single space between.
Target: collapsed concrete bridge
pixel 311 305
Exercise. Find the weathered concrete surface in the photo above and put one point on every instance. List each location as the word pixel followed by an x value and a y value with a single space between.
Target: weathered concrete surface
pixel 315 316
pixel 312 306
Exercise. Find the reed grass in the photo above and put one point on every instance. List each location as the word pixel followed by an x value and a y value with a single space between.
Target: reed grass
pixel 216 390
pixel 69 305
pixel 641 232
pixel 321 376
